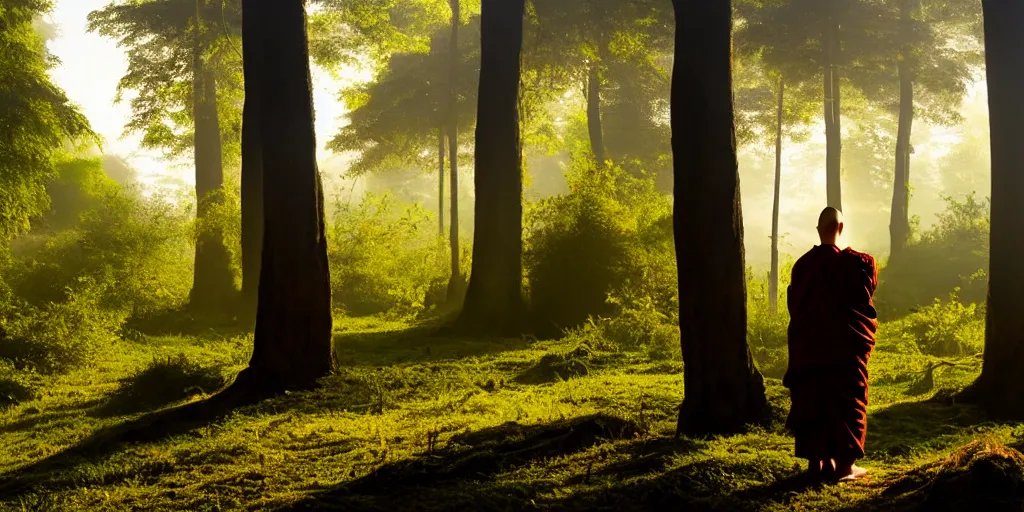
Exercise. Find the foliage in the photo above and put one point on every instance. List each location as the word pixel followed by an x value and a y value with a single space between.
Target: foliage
pixel 15 387
pixel 61 336
pixel 384 257
pixel 394 119
pixel 610 232
pixel 36 118
pixel 81 184
pixel 951 255
pixel 160 37
pixel 164 381
pixel 948 328
pixel 767 332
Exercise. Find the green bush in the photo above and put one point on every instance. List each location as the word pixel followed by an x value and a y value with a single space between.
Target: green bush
pixel 612 232
pixel 15 387
pixel 133 248
pixel 948 328
pixel 61 336
pixel 385 258
pixel 164 381
pixel 953 254
pixel 767 331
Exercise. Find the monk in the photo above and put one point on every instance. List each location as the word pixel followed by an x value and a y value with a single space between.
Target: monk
pixel 831 335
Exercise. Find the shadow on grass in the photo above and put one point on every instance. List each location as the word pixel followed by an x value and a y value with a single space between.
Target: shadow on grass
pixel 185 322
pixel 911 428
pixel 422 343
pixel 33 418
pixel 470 462
pixel 57 471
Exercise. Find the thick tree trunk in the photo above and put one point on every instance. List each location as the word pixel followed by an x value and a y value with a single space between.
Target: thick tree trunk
pixel 456 283
pixel 594 114
pixel 213 283
pixel 833 128
pixel 494 300
pixel 252 168
pixel 440 182
pixel 292 347
pixel 1000 388
pixel 899 221
pixel 773 277
pixel 723 389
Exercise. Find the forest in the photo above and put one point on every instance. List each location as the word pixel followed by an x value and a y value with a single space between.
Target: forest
pixel 425 255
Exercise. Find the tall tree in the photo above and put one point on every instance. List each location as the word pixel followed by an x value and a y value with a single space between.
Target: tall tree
pixel 252 167
pixel 161 37
pixel 723 389
pixel 1000 387
pixel 933 68
pixel 292 347
pixel 36 118
pixel 494 300
pixel 456 283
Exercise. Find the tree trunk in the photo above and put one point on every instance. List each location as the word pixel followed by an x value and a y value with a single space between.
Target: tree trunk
pixel 1000 388
pixel 440 182
pixel 833 131
pixel 899 222
pixel 456 284
pixel 292 347
pixel 252 168
pixel 213 283
pixel 494 301
pixel 773 278
pixel 594 114
pixel 723 389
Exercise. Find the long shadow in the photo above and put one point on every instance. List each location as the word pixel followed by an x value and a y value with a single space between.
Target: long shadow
pixel 56 414
pixel 54 472
pixel 454 476
pixel 909 428
pixel 423 343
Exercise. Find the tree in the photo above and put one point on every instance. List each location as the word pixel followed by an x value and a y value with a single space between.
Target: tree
pixel 723 389
pixel 292 347
pixel 37 120
pixel 611 48
pixel 182 62
pixel 494 301
pixel 932 76
pixel 417 103
pixel 764 114
pixel 836 38
pixel 252 167
pixel 1000 387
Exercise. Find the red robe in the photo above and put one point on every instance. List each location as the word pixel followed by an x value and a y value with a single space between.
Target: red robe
pixel 831 335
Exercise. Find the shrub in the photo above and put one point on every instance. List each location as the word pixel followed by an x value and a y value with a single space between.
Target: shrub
pixel 610 233
pixel 163 382
pixel 133 248
pixel 62 335
pixel 948 328
pixel 384 257
pixel 15 387
pixel 953 254
pixel 767 331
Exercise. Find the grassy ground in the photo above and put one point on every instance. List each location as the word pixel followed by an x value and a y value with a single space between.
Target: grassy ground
pixel 418 422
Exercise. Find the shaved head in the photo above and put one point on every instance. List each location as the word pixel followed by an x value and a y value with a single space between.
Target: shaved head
pixel 830 225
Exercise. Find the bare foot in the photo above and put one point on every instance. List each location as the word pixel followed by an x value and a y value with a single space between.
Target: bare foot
pixel 855 472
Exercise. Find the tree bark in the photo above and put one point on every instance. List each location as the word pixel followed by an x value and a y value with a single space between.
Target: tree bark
pixel 252 167
pixel 494 301
pixel 440 182
pixel 723 389
pixel 899 222
pixel 292 347
pixel 773 277
pixel 594 113
pixel 833 128
pixel 213 283
pixel 1000 387
pixel 456 284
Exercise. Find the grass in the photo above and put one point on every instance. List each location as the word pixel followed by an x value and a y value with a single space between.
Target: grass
pixel 413 421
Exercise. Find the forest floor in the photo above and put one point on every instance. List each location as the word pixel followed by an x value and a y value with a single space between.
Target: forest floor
pixel 414 421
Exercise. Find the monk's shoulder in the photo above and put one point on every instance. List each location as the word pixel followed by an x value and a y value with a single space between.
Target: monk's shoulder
pixel 864 259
